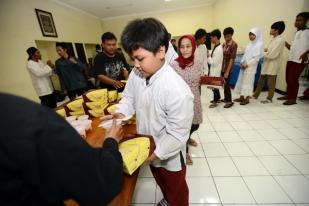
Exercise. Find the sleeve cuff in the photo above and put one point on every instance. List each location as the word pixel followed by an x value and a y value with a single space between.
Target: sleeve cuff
pixel 110 143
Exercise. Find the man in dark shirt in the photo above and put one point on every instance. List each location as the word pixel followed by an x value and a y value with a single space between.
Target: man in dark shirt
pixel 110 66
pixel 71 72
pixel 43 160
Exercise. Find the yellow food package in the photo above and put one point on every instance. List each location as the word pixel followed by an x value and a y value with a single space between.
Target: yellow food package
pixel 61 112
pixel 75 105
pixel 99 95
pixel 112 95
pixel 124 81
pixel 119 96
pixel 111 109
pixel 77 113
pixel 96 112
pixel 96 105
pixel 134 152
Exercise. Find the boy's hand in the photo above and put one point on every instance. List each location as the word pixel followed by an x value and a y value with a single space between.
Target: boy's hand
pixel 114 132
pixel 117 84
pixel 226 75
pixel 151 158
pixel 72 60
pixel 304 57
pixel 49 63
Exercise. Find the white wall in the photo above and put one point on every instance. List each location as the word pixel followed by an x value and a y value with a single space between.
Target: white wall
pixel 19 30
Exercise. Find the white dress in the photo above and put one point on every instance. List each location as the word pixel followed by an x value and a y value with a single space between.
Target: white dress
pixel 253 53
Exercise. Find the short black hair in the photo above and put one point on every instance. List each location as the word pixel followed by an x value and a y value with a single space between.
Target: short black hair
pixel 61 44
pixel 305 15
pixel 279 25
pixel 148 33
pixel 216 33
pixel 228 30
pixel 108 36
pixel 200 33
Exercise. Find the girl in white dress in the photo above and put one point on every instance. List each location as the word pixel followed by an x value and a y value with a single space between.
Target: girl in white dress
pixel 248 66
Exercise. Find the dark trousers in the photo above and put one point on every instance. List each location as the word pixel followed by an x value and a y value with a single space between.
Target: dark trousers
pixel 293 71
pixel 173 185
pixel 217 95
pixel 77 92
pixel 227 88
pixel 49 100
pixel 194 127
pixel 271 86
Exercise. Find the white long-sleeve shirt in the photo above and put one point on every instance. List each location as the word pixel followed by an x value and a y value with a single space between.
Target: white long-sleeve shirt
pixel 40 76
pixel 201 51
pixel 171 54
pixel 299 46
pixel 164 109
pixel 216 62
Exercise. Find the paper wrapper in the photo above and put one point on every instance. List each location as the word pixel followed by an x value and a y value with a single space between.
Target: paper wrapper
pixel 135 149
pixel 99 95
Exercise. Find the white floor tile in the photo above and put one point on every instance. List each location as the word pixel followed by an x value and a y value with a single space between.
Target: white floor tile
pixel 229 136
pixel 222 126
pixel 202 190
pixel 262 148
pixel 297 187
pixel 248 117
pixel 241 126
pixel 144 191
pixel 222 166
pixel 259 125
pixel 284 115
pixel 206 127
pixel 301 162
pixel 298 122
pixel 199 168
pixel 303 143
pixel 215 150
pixel 266 190
pixel 287 147
pixel 267 115
pixel 233 118
pixel 216 118
pixel 238 149
pixel 250 135
pixel 293 133
pixel 304 130
pixel 278 165
pixel 208 137
pixel 278 123
pixel 249 166
pixel 233 190
pixel 271 134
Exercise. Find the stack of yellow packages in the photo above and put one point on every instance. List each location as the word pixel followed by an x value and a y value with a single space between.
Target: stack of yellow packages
pixel 75 108
pixel 134 152
pixel 95 102
pixel 62 113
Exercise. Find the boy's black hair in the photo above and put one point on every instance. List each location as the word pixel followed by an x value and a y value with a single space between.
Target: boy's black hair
pixel 108 36
pixel 228 30
pixel 62 45
pixel 216 33
pixel 305 15
pixel 279 25
pixel 200 33
pixel 147 33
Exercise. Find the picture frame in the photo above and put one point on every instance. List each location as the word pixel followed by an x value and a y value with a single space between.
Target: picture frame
pixel 46 22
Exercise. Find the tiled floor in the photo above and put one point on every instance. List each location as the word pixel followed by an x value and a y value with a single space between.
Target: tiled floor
pixel 247 155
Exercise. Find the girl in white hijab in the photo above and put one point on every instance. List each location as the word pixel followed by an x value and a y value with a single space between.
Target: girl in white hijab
pixel 248 66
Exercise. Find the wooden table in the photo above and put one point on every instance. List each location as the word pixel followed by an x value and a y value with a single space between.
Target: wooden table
pixel 95 138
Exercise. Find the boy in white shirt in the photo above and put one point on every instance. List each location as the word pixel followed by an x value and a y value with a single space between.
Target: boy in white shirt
pixel 163 104
pixel 298 58
pixel 215 61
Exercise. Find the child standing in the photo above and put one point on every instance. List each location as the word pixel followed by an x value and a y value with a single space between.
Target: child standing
pixel 190 68
pixel 248 66
pixel 163 104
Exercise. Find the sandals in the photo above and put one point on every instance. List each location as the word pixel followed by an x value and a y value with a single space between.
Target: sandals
pixel 228 104
pixel 239 100
pixel 266 101
pixel 213 105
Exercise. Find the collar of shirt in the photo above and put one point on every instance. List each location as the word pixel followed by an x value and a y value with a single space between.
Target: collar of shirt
pixel 156 75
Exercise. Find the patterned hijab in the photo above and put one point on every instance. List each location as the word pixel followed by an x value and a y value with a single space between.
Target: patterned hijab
pixel 184 62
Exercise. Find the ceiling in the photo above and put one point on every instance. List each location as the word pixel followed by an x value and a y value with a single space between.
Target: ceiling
pixel 106 9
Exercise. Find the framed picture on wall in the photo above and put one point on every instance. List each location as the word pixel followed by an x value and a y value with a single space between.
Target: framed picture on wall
pixel 46 23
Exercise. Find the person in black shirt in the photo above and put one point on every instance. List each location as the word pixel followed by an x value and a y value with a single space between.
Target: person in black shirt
pixel 110 66
pixel 43 160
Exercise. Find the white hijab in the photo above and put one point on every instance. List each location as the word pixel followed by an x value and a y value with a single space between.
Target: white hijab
pixel 255 47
